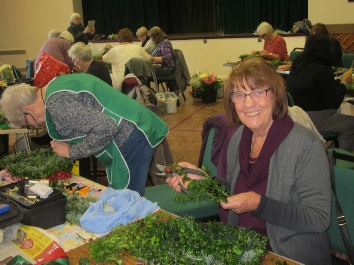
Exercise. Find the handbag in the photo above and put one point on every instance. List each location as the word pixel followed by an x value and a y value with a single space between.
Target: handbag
pixel 47 68
pixel 341 219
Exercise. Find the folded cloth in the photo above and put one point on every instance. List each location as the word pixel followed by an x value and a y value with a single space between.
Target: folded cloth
pixel 127 206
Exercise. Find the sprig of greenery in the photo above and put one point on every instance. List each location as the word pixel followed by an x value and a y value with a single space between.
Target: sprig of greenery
pixel 37 164
pixel 76 206
pixel 208 187
pixel 159 239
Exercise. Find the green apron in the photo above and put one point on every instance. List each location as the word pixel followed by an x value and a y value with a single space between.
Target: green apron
pixel 145 120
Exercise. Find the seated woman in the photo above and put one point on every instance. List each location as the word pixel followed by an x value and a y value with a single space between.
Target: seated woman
pixel 274 45
pixel 267 190
pixel 79 32
pixel 162 54
pixel 119 55
pixel 313 87
pixel 81 55
pixel 142 34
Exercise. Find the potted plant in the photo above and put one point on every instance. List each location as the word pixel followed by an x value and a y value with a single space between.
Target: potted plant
pixel 207 84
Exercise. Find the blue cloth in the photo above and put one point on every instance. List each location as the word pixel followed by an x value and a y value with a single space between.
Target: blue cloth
pixel 128 205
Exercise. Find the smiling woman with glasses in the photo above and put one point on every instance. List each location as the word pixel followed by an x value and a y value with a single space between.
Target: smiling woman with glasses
pixel 277 176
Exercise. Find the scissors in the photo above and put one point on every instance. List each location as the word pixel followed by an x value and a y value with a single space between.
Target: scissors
pixel 170 174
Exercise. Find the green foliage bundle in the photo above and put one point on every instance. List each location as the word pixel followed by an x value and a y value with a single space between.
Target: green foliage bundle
pixel 36 164
pixel 76 206
pixel 98 58
pixel 160 240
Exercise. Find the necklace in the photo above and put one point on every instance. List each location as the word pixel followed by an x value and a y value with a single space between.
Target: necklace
pixel 252 160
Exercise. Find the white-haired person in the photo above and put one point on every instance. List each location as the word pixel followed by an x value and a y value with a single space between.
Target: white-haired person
pixel 80 33
pixel 58 48
pixel 81 55
pixel 142 34
pixel 274 47
pixel 54 33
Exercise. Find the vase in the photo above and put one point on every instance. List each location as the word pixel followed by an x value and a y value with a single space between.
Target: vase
pixel 208 96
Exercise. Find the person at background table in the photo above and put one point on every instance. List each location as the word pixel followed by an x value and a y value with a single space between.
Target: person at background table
pixel 81 55
pixel 274 45
pixel 85 116
pixel 313 87
pixel 58 48
pixel 336 51
pixel 142 34
pixel 162 54
pixel 80 33
pixel 54 33
pixel 267 190
pixel 119 55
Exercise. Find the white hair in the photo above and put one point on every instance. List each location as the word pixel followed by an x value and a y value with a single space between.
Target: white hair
pixel 73 16
pixel 264 28
pixel 67 36
pixel 53 33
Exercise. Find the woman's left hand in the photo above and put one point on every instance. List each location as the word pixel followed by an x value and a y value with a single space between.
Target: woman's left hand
pixel 242 202
pixel 60 148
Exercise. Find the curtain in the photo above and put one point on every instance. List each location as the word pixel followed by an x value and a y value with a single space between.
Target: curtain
pixel 193 16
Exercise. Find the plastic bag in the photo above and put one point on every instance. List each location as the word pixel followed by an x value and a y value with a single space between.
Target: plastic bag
pixel 47 68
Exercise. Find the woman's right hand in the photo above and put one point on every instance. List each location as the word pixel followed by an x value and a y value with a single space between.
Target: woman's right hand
pixel 347 77
pixel 177 179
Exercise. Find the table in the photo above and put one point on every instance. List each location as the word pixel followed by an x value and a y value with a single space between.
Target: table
pixel 23 131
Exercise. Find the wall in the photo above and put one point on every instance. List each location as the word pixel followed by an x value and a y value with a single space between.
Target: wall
pixel 331 11
pixel 24 25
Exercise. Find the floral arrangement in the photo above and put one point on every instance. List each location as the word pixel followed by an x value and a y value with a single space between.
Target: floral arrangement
pixel 7 73
pixel 205 80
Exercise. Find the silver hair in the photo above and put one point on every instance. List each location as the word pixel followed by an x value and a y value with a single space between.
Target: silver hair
pixel 80 50
pixel 264 28
pixel 73 16
pixel 53 33
pixel 141 32
pixel 67 36
pixel 14 99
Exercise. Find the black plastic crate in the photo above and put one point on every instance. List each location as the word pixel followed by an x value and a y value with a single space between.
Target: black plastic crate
pixel 45 213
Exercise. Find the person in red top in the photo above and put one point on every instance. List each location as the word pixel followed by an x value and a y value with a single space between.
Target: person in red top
pixel 274 45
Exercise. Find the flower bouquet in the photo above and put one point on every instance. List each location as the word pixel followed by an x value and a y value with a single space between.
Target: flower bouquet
pixel 7 73
pixel 207 85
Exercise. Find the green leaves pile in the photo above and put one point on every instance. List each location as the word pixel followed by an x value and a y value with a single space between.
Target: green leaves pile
pixel 35 165
pixel 76 206
pixel 158 240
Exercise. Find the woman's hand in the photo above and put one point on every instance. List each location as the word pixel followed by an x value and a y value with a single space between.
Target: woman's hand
pixel 347 77
pixel 242 202
pixel 177 179
pixel 256 52
pixel 60 148
pixel 284 67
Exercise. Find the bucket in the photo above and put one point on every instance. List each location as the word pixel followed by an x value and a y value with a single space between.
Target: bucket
pixel 171 105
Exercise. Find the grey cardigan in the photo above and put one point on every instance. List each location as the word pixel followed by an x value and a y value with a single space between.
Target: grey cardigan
pixel 297 205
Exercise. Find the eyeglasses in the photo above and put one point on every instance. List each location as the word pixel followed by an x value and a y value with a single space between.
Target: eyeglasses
pixel 30 126
pixel 261 37
pixel 257 95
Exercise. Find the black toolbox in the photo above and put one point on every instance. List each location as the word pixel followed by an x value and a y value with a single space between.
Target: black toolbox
pixel 43 213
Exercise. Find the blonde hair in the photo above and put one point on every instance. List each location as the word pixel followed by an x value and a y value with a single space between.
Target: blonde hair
pixel 264 28
pixel 141 32
pixel 67 36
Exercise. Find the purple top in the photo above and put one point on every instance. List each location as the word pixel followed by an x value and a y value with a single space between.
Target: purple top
pixel 254 176
pixel 165 49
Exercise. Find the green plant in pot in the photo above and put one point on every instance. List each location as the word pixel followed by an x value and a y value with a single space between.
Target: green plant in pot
pixel 208 84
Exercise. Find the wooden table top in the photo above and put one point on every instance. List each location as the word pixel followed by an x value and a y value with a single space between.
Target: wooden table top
pixel 83 251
